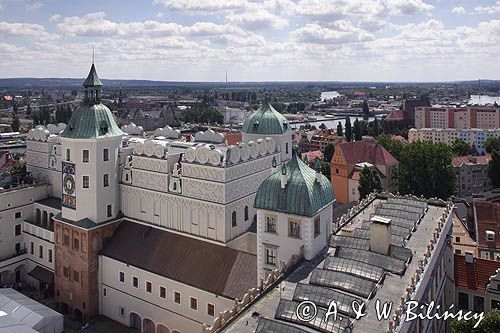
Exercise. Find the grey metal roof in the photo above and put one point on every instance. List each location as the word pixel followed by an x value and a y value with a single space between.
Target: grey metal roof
pixel 302 194
pixel 92 79
pixel 266 120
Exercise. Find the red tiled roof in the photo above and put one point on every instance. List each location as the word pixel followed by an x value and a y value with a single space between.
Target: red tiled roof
pixel 487 218
pixel 395 115
pixel 474 276
pixel 9 159
pixel 458 161
pixel 312 155
pixel 366 151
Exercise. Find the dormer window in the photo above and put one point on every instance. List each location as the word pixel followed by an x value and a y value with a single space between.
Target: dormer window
pixel 256 125
pixel 490 235
pixel 285 126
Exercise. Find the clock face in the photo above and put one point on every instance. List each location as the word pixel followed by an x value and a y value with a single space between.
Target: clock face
pixel 69 184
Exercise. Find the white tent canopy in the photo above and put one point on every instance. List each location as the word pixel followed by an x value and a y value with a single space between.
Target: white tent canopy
pixel 19 313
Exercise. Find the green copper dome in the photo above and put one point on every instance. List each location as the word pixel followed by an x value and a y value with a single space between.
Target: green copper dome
pixel 302 195
pixel 266 120
pixel 91 119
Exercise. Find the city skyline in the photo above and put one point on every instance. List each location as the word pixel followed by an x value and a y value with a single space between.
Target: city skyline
pixel 271 40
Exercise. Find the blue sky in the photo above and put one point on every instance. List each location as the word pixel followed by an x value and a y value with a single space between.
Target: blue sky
pixel 253 40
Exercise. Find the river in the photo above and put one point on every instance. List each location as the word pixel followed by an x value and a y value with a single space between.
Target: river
pixel 331 123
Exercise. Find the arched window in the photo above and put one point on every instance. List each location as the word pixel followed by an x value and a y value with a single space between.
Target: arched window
pixel 246 213
pixel 45 219
pixel 38 216
pixel 233 219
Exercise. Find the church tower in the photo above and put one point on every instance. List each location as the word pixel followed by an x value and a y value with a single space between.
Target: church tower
pixel 90 200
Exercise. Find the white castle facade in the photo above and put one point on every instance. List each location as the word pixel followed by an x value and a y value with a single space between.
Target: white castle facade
pixel 156 232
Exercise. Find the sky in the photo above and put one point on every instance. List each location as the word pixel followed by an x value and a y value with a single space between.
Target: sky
pixel 252 40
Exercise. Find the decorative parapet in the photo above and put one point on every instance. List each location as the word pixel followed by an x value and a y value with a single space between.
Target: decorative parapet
pixel 423 264
pixel 250 297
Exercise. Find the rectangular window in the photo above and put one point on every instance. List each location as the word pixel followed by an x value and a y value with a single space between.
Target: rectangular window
pixel 270 224
pixel 32 248
pixel 109 210
pixel 40 252
pixel 463 301
pixel 122 312
pixel 17 230
pixel 85 156
pixel 50 255
pixel 271 256
pixel 76 243
pixel 210 309
pixel 122 277
pixel 317 227
pixel 105 155
pixel 104 292
pixel 135 282
pixel 106 180
pixel 294 229
pixel 68 155
pixel 177 297
pixel 163 292
pixel 478 304
pixel 18 247
pixel 66 272
pixel 76 276
pixel 149 287
pixel 86 182
pixel 18 215
pixel 193 303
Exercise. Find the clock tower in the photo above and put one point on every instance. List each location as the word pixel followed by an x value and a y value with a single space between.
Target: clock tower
pixel 90 199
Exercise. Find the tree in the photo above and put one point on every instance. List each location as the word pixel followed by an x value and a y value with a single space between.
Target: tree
pixel 369 181
pixel 461 148
pixel 28 110
pixel 358 135
pixel 425 169
pixel 322 126
pixel 325 169
pixel 492 144
pixel 490 323
pixel 15 124
pixel 328 152
pixel 375 128
pixel 366 108
pixel 494 168
pixel 393 146
pixel 348 129
pixel 340 132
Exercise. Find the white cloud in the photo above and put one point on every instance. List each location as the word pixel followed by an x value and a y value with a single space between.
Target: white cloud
pixel 55 18
pixel 493 9
pixel 160 14
pixel 25 29
pixel 407 7
pixel 458 10
pixel 202 6
pixel 258 19
pixel 340 32
pixel 34 6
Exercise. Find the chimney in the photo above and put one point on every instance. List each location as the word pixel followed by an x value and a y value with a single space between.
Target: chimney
pixel 380 234
pixel 284 176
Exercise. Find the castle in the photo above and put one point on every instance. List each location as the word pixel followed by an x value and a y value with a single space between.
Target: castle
pixel 158 233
